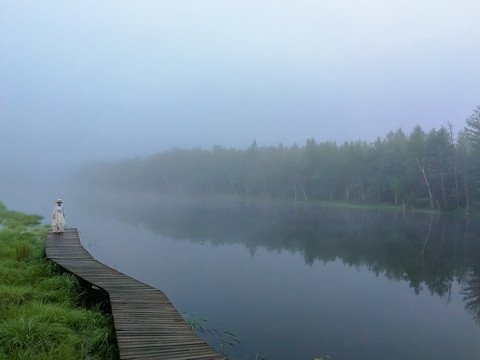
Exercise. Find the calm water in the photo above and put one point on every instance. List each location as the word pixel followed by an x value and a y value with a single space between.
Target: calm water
pixel 292 282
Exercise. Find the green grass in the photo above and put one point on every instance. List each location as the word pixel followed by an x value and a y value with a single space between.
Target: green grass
pixel 43 312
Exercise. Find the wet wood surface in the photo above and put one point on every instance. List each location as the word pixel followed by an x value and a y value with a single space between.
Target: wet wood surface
pixel 147 325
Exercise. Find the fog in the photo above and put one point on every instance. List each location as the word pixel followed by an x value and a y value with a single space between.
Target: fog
pixel 98 81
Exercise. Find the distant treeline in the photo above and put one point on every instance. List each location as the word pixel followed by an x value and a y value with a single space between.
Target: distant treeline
pixel 432 169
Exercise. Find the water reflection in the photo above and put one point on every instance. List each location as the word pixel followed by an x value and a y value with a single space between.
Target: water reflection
pixel 429 251
pixel 471 294
pixel 292 282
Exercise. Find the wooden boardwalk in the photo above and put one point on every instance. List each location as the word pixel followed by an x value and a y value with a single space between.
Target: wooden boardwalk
pixel 147 325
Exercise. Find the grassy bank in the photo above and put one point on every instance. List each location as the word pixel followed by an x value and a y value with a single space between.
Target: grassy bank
pixel 43 311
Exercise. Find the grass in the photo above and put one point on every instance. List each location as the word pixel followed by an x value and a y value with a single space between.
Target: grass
pixel 43 311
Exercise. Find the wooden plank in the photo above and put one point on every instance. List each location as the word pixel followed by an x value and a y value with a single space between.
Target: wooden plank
pixel 147 324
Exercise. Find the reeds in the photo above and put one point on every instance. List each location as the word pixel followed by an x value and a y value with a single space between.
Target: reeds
pixel 41 312
pixel 224 337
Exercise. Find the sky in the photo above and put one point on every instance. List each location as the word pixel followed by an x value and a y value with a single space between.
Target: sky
pixel 85 81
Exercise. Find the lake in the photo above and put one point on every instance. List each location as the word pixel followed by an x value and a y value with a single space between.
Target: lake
pixel 301 281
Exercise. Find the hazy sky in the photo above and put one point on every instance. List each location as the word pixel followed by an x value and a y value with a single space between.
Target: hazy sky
pixel 102 80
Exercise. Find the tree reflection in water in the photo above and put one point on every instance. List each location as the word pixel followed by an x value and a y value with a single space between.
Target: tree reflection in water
pixel 427 250
pixel 471 294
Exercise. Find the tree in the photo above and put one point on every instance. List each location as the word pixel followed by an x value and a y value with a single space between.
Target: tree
pixel 472 131
pixel 394 149
pixel 439 165
pixel 414 180
pixel 473 127
pixel 455 164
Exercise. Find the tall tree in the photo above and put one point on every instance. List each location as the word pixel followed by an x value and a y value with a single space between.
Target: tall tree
pixel 439 165
pixel 472 131
pixel 454 164
pixel 414 180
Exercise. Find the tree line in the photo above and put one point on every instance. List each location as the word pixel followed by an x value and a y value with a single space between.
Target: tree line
pixel 433 169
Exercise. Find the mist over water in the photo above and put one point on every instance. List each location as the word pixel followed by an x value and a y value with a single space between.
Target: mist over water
pixel 291 281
